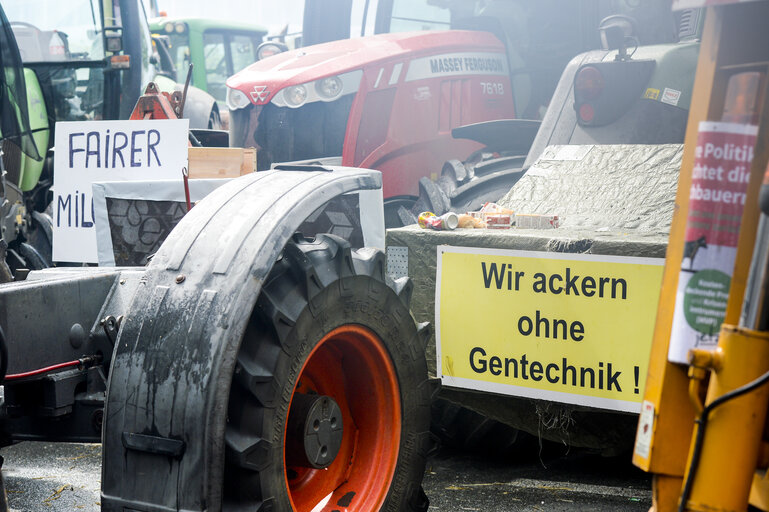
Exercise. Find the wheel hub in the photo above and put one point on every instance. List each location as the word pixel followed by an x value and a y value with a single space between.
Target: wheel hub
pixel 315 431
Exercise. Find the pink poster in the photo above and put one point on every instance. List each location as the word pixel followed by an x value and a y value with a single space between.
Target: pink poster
pixel 716 201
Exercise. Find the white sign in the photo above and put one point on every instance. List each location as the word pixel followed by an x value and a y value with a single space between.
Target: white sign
pixel 87 152
pixel 456 64
pixel 643 436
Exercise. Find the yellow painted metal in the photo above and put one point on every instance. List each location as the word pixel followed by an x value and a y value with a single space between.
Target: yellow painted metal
pixel 751 212
pixel 734 430
pixel 665 492
pixel 667 383
pixel 734 37
pixel 759 491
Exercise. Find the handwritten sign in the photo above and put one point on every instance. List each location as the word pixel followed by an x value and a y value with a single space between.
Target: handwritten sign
pixel 88 152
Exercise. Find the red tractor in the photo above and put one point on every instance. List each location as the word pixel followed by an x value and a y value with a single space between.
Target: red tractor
pixel 391 99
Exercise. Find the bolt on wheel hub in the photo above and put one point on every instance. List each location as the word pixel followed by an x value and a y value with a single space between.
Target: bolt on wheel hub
pixel 315 431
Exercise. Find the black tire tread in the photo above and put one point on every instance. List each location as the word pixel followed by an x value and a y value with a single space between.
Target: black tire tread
pixel 461 428
pixel 296 294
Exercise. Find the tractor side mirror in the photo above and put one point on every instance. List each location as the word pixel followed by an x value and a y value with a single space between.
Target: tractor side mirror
pixel 616 31
pixel 270 48
pixel 113 39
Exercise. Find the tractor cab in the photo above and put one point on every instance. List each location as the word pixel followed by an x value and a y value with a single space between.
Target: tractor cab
pixel 217 49
pixel 77 50
pixel 17 147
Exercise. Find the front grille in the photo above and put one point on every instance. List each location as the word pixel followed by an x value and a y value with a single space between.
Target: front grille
pixel 315 130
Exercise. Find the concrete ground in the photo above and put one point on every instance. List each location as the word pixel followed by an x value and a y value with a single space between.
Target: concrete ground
pixel 66 477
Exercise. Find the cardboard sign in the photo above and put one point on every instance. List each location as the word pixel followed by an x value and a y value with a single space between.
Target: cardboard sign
pixel 571 328
pixel 716 200
pixel 87 152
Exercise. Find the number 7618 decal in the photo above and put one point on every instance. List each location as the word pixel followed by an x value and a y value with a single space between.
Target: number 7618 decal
pixel 493 88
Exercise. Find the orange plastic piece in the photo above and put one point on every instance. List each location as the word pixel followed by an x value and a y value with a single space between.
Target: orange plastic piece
pixel 157 105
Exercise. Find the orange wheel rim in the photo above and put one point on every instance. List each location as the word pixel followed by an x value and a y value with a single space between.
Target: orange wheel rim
pixel 352 366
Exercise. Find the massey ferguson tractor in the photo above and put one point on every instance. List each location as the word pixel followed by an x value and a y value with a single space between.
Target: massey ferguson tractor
pixel 389 100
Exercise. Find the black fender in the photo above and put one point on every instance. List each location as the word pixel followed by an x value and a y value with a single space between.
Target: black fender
pixel 200 108
pixel 513 136
pixel 163 446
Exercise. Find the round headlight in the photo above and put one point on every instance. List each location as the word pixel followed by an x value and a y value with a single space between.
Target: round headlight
pixel 169 27
pixel 329 88
pixel 237 99
pixel 295 95
pixel 180 28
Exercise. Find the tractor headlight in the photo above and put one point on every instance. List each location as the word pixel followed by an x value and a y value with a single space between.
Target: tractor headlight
pixel 295 95
pixel 237 99
pixel 329 88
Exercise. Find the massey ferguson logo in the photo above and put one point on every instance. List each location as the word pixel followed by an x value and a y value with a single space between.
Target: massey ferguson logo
pixel 260 93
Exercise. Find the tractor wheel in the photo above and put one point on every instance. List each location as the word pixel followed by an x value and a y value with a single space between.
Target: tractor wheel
pixel 329 406
pixel 461 428
pixel 214 119
pixel 34 260
pixel 393 212
pixel 470 185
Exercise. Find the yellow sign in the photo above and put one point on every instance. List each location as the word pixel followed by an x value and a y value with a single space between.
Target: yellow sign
pixel 652 94
pixel 572 328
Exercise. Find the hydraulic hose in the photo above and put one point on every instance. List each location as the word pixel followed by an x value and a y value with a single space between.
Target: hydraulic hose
pixel 702 422
pixel 83 362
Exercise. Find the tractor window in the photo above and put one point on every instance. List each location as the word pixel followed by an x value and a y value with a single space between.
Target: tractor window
pixel 180 53
pixel 217 70
pixel 56 31
pixel 410 15
pixel 243 51
pixel 363 18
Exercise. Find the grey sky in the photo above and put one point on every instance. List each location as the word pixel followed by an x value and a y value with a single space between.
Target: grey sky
pixel 273 14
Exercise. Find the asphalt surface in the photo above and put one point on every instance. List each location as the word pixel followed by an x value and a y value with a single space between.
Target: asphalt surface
pixel 66 477
pixel 563 480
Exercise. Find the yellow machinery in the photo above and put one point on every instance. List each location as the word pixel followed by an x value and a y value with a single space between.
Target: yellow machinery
pixel 702 431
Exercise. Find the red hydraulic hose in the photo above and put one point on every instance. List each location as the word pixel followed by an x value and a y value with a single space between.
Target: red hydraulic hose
pixel 47 369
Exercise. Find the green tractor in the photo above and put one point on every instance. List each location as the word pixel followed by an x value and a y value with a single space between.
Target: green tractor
pixel 217 49
pixel 79 61
pixel 23 140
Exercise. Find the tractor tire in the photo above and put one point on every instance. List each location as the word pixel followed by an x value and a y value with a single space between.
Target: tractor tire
pixel 331 380
pixel 461 428
pixel 431 199
pixel 34 260
pixel 41 235
pixel 393 212
pixel 485 189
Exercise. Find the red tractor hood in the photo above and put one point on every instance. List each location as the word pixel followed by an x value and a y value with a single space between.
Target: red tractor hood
pixel 262 80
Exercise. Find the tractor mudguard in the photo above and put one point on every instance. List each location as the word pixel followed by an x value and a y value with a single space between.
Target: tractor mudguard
pixel 167 400
pixel 512 136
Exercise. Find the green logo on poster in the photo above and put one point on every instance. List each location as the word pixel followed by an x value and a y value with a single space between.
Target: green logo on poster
pixel 705 300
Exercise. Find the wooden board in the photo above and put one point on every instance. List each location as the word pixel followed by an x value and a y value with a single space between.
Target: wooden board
pixel 221 162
